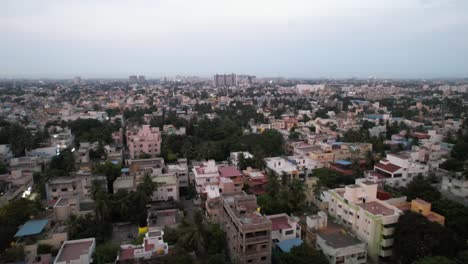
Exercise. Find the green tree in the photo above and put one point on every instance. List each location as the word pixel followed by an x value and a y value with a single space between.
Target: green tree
pixel 300 255
pixel 416 237
pixel 106 253
pixel 420 187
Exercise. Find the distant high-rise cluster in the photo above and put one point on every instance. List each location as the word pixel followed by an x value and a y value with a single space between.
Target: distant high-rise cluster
pixel 137 79
pixel 224 80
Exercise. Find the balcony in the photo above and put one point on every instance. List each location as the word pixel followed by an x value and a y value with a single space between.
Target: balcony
pixel 385 253
pixel 386 242
pixel 388 231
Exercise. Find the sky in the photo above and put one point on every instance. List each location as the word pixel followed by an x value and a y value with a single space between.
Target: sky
pixel 267 38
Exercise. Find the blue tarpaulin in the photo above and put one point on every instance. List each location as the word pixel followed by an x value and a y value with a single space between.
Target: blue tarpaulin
pixel 287 245
pixel 32 227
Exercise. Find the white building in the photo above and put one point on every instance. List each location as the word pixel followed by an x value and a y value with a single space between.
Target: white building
pixel 78 251
pixel 234 157
pixel 280 165
pixel 180 169
pixel 167 188
pixel 205 174
pixel 397 170
pixel 371 219
pixel 153 246
pixel 284 227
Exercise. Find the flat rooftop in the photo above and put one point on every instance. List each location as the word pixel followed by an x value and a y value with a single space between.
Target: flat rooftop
pixel 336 237
pixel 72 250
pixel 376 208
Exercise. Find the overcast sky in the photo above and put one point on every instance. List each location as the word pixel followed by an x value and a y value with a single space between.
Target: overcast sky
pixel 290 38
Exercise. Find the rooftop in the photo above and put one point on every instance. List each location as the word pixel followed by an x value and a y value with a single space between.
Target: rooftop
pixel 336 237
pixel 279 222
pixel 73 249
pixel 376 208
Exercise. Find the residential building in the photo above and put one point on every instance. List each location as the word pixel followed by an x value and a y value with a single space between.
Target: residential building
pixel 231 173
pixel 281 166
pixel 234 157
pixel 256 180
pixel 153 246
pixel 340 247
pixel 248 233
pixel 224 80
pixel 205 174
pixel 180 169
pixel 79 251
pixel 397 170
pixel 167 188
pixel 145 141
pixel 371 219
pixel 284 227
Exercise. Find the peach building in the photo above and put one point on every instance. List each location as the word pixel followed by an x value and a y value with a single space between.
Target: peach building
pixel 146 140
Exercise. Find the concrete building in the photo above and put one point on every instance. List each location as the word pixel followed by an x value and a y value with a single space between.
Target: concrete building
pixel 284 227
pixel 248 233
pixel 256 180
pixel 205 174
pixel 397 170
pixel 153 246
pixel 180 169
pixel 78 251
pixel 281 166
pixel 371 219
pixel 224 80
pixel 144 141
pixel 231 173
pixel 167 188
pixel 340 247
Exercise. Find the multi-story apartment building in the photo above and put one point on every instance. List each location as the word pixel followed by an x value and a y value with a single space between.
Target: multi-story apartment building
pixel 397 170
pixel 373 220
pixel 144 141
pixel 220 80
pixel 205 174
pixel 180 169
pixel 166 189
pixel 248 233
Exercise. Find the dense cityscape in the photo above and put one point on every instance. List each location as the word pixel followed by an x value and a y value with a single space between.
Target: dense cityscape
pixel 233 169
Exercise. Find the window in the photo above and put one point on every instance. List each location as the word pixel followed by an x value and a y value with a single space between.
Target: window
pixel 169 189
pixel 54 189
pixel 264 258
pixel 249 260
pixel 289 232
pixel 64 189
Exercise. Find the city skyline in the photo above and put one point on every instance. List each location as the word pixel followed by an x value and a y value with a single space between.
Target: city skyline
pixel 294 39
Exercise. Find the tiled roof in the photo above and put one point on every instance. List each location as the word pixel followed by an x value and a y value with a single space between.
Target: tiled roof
pixel 390 167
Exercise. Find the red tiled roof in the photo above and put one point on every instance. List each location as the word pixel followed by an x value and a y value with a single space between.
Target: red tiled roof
pixel 388 167
pixel 280 223
pixel 229 171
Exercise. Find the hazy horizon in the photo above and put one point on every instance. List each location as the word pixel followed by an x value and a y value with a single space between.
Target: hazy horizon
pixel 293 39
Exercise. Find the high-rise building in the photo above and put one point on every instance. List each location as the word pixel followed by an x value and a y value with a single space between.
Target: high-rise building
pixel 248 233
pixel 224 80
pixel 132 78
pixel 141 79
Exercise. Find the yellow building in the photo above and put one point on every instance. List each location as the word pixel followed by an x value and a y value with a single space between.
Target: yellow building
pixel 422 207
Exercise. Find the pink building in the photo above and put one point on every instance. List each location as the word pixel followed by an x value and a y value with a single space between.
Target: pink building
pixel 146 140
